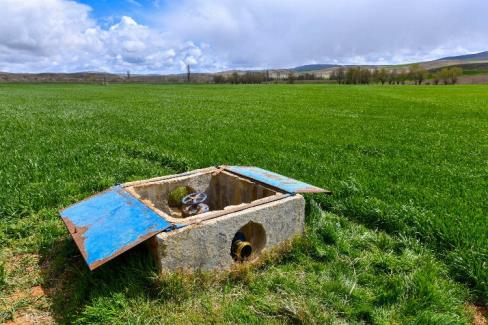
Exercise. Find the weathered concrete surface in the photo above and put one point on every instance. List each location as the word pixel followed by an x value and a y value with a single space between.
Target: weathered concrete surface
pixel 207 245
pixel 155 194
pixel 223 190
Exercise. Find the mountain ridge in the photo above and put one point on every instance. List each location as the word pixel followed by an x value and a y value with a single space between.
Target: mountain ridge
pixel 467 57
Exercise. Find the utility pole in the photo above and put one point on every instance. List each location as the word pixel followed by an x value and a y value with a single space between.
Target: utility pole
pixel 188 73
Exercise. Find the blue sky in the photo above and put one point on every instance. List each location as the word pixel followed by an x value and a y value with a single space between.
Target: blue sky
pixel 106 12
pixel 151 36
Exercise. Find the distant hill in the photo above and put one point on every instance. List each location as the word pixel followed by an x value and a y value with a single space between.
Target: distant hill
pixel 99 77
pixel 313 67
pixel 468 57
pixel 430 65
pixel 472 64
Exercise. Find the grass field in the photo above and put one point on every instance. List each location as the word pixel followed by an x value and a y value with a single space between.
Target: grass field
pixel 404 238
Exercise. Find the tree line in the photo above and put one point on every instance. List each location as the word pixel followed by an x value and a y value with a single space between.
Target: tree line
pixel 448 76
pixel 355 75
pixel 250 77
pixel 415 74
pixel 254 77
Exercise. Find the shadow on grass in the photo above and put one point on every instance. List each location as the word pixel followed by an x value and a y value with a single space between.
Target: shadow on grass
pixel 71 286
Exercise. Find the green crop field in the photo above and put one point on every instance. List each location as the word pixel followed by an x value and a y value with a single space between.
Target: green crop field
pixel 403 239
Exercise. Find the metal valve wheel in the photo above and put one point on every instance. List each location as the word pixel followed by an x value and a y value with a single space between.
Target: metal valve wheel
pixel 194 198
pixel 193 204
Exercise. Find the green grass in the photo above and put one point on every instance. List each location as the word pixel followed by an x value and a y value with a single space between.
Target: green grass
pixel 3 275
pixel 409 163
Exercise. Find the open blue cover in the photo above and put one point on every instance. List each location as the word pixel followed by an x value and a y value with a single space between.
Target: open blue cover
pixel 109 223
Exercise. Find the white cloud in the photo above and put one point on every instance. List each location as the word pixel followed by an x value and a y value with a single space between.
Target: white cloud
pixel 59 35
pixel 28 34
pixel 290 32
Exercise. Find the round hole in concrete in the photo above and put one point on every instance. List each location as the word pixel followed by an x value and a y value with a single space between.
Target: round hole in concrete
pixel 248 242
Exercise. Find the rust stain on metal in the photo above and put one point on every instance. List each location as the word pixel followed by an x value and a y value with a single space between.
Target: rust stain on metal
pixel 77 233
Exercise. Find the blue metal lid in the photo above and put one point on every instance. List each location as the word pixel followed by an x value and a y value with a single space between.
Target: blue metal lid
pixel 109 223
pixel 276 180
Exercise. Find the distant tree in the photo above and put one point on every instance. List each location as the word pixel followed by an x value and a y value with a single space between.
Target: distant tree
pixel 444 76
pixel 454 74
pixel 421 75
pixel 449 76
pixel 402 77
pixel 291 78
pixel 340 75
pixel 252 77
pixel 417 73
pixel 436 77
pixel 234 78
pixel 375 76
pixel 355 75
pixel 245 78
pixel 334 76
pixel 364 76
pixel 188 73
pixel 350 76
pixel 219 79
pixel 392 77
pixel 382 75
pixel 128 74
pixel 412 73
pixel 306 76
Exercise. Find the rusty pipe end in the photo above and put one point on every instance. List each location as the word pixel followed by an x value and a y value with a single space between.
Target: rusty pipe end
pixel 242 250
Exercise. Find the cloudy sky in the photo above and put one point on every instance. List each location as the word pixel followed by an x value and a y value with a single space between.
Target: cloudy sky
pixel 162 36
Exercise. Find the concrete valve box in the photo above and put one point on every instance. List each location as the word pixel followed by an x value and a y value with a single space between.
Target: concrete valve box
pixel 200 220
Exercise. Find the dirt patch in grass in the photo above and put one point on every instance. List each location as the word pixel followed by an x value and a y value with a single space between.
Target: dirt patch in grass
pixel 16 296
pixel 479 315
pixel 23 261
pixel 37 291
pixel 31 318
pixel 25 300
